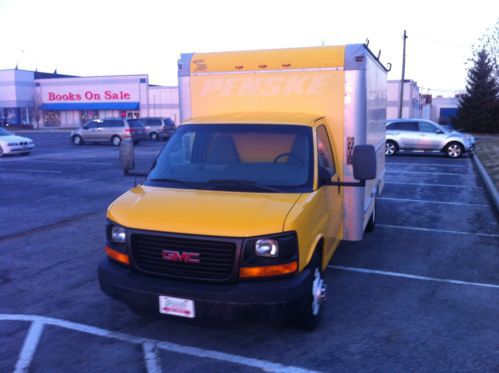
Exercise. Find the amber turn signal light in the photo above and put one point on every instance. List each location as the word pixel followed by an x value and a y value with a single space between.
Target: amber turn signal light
pixel 116 255
pixel 267 271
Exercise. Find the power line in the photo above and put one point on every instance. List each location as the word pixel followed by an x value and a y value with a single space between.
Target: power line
pixel 441 41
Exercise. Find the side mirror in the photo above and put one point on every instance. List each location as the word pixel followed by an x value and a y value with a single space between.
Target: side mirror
pixel 324 176
pixel 127 156
pixel 364 162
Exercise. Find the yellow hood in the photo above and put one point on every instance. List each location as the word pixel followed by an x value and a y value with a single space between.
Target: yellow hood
pixel 210 213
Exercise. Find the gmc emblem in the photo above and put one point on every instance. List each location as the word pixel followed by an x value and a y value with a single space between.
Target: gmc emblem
pixel 178 256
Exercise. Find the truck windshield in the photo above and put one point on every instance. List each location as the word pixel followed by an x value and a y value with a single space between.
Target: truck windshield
pixel 234 157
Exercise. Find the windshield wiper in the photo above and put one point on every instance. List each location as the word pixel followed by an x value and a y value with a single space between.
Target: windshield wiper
pixel 177 181
pixel 246 184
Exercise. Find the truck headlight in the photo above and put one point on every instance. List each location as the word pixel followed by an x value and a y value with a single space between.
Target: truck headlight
pixel 269 255
pixel 118 234
pixel 267 247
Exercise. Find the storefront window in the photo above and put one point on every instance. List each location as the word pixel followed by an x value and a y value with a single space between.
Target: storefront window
pixel 51 118
pixel 10 117
pixel 88 115
pixel 133 114
pixel 25 116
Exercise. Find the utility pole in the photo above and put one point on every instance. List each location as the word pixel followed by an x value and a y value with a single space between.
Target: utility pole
pixel 401 100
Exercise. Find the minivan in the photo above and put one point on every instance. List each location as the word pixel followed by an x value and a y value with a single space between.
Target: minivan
pixel 113 130
pixel 158 128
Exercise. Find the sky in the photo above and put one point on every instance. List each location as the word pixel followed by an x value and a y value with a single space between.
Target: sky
pixel 108 37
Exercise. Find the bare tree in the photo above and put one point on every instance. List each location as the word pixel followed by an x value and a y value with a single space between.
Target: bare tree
pixel 36 112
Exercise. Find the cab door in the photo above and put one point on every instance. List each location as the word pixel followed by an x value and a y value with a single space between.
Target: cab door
pixel 331 195
pixel 88 131
pixel 431 137
pixel 406 135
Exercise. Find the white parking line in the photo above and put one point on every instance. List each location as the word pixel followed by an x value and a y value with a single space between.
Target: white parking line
pixel 426 164
pixel 436 230
pixel 69 162
pixel 413 277
pixel 31 170
pixel 435 185
pixel 29 347
pixel 429 172
pixel 151 357
pixel 167 346
pixel 436 202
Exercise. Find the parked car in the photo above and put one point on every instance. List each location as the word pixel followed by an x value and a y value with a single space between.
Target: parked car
pixel 425 135
pixel 113 130
pixel 158 128
pixel 12 144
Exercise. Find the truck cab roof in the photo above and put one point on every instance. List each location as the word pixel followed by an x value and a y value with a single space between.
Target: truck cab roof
pixel 306 119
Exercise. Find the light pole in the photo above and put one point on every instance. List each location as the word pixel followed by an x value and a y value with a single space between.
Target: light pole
pixel 18 57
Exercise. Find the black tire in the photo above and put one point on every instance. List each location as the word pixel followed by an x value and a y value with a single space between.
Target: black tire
pixel 371 223
pixel 1 151
pixel 309 317
pixel 454 150
pixel 391 148
pixel 153 136
pixel 116 140
pixel 77 140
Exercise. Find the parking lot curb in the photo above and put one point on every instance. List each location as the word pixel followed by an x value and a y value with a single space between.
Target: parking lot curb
pixel 488 182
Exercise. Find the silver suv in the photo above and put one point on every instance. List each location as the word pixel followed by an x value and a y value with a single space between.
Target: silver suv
pixel 425 135
pixel 113 130
pixel 158 128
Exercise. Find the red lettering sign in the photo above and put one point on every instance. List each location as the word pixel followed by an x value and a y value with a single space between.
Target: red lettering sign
pixel 121 95
pixel 89 96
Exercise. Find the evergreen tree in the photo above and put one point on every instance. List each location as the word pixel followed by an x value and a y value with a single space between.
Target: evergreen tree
pixel 478 108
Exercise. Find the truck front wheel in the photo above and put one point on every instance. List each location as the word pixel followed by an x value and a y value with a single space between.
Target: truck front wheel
pixel 309 317
pixel 371 223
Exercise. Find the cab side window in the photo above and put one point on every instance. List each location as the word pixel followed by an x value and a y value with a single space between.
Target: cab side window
pixel 403 126
pixel 408 126
pixel 90 125
pixel 324 152
pixel 153 122
pixel 427 127
pixel 116 123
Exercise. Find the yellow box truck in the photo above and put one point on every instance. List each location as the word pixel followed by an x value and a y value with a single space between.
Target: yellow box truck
pixel 279 157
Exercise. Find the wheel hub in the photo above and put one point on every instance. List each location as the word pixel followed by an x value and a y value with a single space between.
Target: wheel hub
pixel 318 292
pixel 454 151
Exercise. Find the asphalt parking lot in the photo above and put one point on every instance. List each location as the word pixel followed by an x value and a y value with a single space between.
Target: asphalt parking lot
pixel 420 293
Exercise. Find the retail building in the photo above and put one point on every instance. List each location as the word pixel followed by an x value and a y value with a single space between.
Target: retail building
pixel 56 100
pixel 411 103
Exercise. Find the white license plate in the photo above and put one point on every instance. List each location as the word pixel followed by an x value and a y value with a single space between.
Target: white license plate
pixel 176 306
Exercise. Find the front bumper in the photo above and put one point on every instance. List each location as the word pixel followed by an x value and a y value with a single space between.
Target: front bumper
pixel 19 149
pixel 271 299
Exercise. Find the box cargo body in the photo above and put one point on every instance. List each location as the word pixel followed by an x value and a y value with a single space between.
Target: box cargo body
pixel 279 157
pixel 344 84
